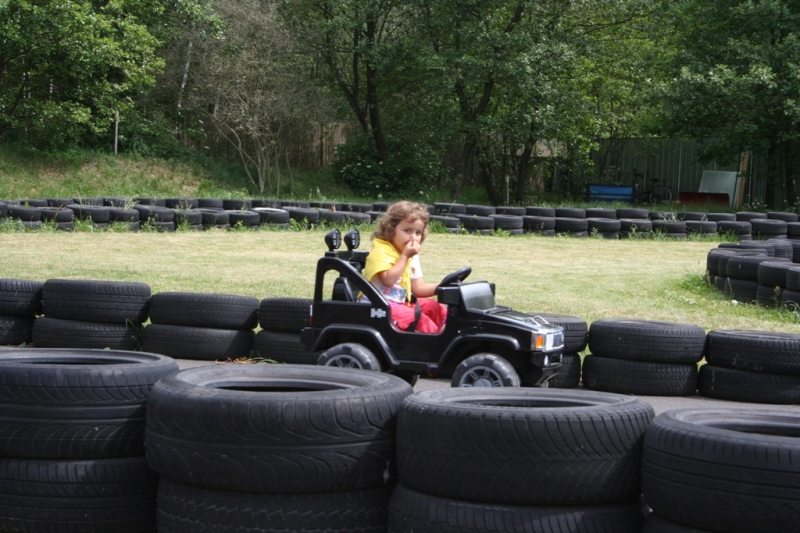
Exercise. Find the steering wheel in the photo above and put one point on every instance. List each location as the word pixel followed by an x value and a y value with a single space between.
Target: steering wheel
pixel 456 277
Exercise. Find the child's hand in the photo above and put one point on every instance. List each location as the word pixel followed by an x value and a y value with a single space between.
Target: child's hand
pixel 412 248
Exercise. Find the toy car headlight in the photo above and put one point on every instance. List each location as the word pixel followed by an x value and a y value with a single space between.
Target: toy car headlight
pixel 352 239
pixel 333 239
pixel 547 342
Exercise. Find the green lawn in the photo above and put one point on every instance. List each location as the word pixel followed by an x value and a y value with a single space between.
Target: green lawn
pixel 589 278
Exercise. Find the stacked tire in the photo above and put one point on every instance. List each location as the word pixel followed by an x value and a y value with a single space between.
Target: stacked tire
pixel 20 302
pixel 575 339
pixel 643 357
pixel 72 426
pixel 201 326
pixel 91 314
pixel 751 366
pixel 519 460
pixel 274 448
pixel 722 471
pixel 281 321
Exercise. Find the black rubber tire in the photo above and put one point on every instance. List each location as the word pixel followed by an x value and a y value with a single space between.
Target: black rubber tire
pixel 19 297
pixel 25 214
pixel 202 310
pixel 640 225
pixel 721 217
pixel 289 315
pixel 153 213
pixel 575 330
pixel 3 210
pixel 780 215
pixel 741 290
pixel 534 223
pixel 55 214
pixel 236 204
pixel 601 212
pixel 89 496
pixel 58 202
pixel 187 509
pixel 570 212
pixel 691 215
pixel 569 376
pixel 246 218
pixel 547 212
pixel 746 267
pixel 480 369
pixel 480 210
pixel 441 208
pixel 669 226
pixel 212 217
pixel 188 216
pixel 564 225
pixel 647 340
pixel 123 215
pixel 271 215
pixel 303 214
pixel 506 222
pixel 76 404
pixel 793 230
pixel 58 333
pixel 522 446
pixel 744 386
pixel 750 246
pixel 783 247
pixel 153 202
pixel 184 204
pixel 215 203
pixel 475 222
pixel 381 206
pixel 511 210
pixel 655 524
pixel 354 207
pixel 712 259
pixel 202 344
pixel 790 299
pixel 767 296
pixel 412 511
pixel 113 302
pixel 722 258
pixel 604 225
pixel 747 216
pixel 283 348
pixel 113 201
pixel 724 470
pixel 632 212
pixel 275 428
pixel 703 227
pixel 735 227
pixel 767 228
pixel 755 351
pixel 638 377
pixel 16 330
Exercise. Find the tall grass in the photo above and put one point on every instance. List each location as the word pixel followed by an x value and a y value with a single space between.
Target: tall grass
pixel 588 278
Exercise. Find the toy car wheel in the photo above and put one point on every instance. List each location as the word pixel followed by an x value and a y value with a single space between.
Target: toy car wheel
pixel 350 355
pixel 485 370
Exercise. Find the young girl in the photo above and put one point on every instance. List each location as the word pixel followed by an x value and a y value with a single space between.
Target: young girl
pixel 393 268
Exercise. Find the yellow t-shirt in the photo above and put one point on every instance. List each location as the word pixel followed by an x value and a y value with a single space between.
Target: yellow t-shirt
pixel 381 258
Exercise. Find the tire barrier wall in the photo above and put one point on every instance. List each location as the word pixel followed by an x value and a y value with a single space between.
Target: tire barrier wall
pixel 72 427
pixel 165 214
pixel 276 448
pixel 626 356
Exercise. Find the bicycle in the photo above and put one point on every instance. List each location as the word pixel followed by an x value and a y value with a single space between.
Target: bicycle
pixel 656 194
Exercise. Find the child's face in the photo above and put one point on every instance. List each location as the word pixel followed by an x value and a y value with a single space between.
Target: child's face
pixel 406 231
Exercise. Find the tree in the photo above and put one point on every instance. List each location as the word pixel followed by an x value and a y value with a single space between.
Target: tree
pixel 66 66
pixel 255 86
pixel 736 81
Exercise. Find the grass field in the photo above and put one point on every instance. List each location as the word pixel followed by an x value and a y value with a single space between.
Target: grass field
pixel 589 278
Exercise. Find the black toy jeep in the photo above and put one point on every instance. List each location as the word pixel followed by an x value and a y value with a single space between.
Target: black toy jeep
pixel 482 345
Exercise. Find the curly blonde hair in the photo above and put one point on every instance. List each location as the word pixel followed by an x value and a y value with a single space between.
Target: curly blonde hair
pixel 398 212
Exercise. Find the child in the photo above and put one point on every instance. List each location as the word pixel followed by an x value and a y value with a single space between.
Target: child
pixel 393 268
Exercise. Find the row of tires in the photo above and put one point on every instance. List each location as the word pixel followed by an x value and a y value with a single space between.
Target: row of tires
pixel 199 214
pixel 280 448
pixel 627 356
